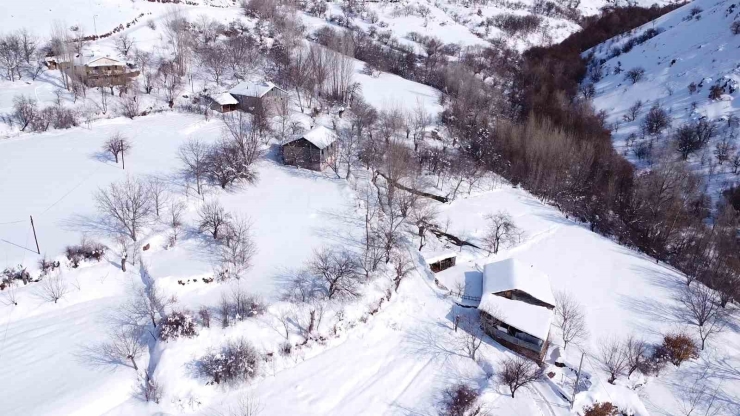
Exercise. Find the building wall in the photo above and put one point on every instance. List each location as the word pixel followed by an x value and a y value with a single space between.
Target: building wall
pixel 303 154
pixel 490 327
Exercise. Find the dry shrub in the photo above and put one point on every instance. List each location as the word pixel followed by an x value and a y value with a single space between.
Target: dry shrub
pixel 602 409
pixel 86 250
pixel 677 348
pixel 459 400
pixel 176 325
pixel 238 361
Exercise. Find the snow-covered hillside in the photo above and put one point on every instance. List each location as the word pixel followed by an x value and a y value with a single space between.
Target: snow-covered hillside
pixel 690 63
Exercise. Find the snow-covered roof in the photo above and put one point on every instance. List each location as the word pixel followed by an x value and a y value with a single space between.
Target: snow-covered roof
pixel 105 61
pixel 320 136
pixel 532 319
pixel 224 99
pixel 436 256
pixel 252 88
pixel 512 274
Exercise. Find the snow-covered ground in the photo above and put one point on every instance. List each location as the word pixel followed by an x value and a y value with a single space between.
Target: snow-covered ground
pixel 395 358
pixel 698 49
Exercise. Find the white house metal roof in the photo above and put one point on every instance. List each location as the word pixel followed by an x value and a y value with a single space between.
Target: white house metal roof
pixel 320 136
pixel 512 274
pixel 105 61
pixel 224 99
pixel 532 319
pixel 252 88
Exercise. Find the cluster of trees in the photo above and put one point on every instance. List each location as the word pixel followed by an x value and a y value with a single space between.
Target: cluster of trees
pixel 27 116
pixel 228 161
pixel 20 54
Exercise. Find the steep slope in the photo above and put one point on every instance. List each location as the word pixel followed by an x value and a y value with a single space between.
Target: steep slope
pixel 691 69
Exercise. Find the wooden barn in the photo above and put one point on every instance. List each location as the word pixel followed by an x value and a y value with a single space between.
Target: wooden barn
pixel 313 150
pixel 440 261
pixel 517 307
pixel 254 95
pixel 223 103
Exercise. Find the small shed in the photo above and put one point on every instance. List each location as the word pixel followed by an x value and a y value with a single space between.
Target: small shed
pixel 313 150
pixel 223 102
pixel 440 261
pixel 254 95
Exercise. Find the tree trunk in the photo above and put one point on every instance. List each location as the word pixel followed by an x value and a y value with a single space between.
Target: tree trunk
pixel 133 362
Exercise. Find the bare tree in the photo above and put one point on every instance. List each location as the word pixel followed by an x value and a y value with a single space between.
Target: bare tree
pixel 127 203
pixel 157 188
pixel 117 145
pixel 238 249
pixel 635 75
pixel 213 218
pixel 53 288
pixel 402 267
pixel 612 358
pixel 501 232
pixel 124 345
pixel 338 270
pixel 146 304
pixel 193 155
pixel 636 351
pixel 570 318
pixel 472 336
pixel 517 372
pixel 124 43
pixel 174 219
pixel 704 311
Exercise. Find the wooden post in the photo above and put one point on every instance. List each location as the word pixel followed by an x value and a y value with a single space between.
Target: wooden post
pixel 34 235
pixel 575 386
pixel 457 321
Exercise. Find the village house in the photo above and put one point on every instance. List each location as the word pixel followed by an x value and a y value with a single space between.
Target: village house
pixel 517 307
pixel 253 96
pixel 96 72
pixel 313 150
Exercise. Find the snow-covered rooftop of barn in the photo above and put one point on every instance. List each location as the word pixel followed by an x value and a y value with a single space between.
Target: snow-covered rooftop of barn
pixel 532 319
pixel 320 136
pixel 224 99
pixel 252 88
pixel 512 274
pixel 105 61
pixel 435 256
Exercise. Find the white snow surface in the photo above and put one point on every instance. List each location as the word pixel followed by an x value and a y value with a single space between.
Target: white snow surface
pixel 225 99
pixel 513 274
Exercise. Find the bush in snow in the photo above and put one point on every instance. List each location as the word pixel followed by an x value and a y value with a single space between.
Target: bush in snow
pixel 239 305
pixel 86 250
pixel 656 120
pixel 205 316
pixel 237 361
pixel 176 325
pixel 459 400
pixel 635 75
pixel 47 266
pixel 11 274
pixel 677 348
pixel 735 27
pixel 601 409
pixel 53 288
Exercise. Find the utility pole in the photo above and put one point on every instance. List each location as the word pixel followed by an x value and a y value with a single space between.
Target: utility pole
pixel 95 24
pixel 34 235
pixel 578 378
